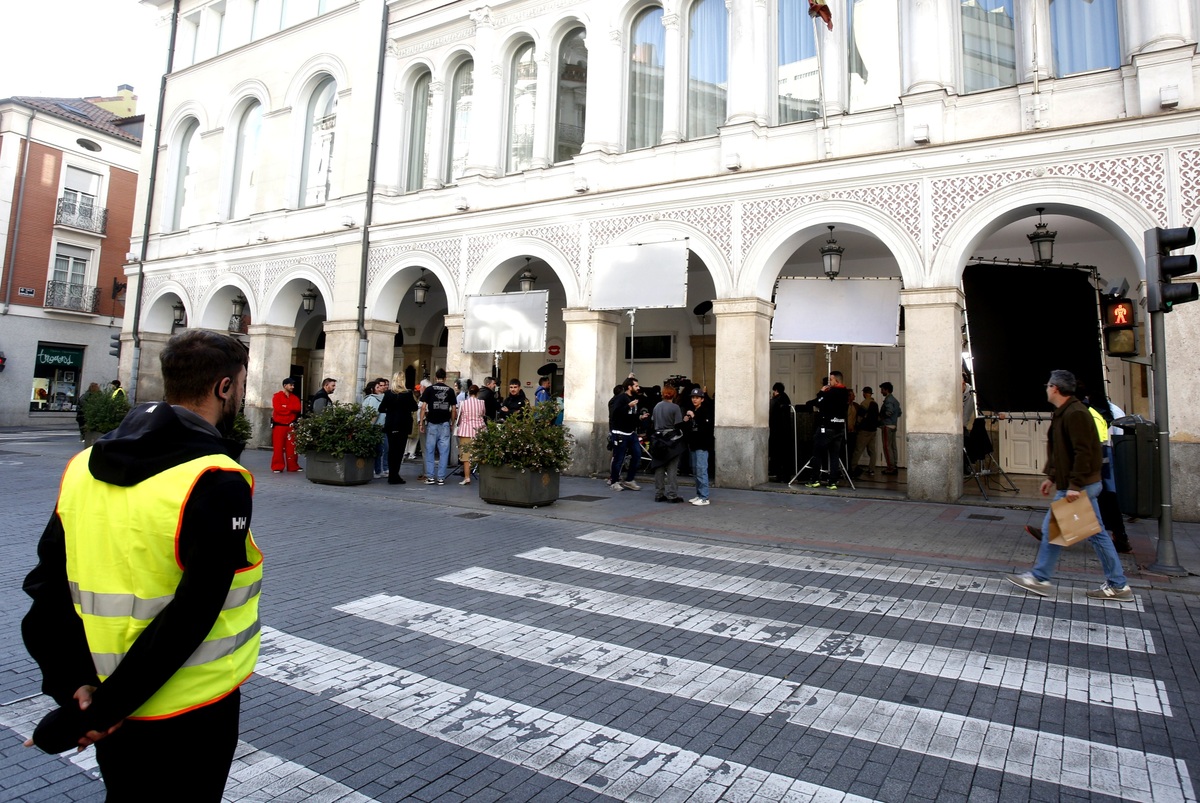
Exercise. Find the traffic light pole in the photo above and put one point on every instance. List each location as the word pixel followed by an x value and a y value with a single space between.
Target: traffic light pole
pixel 1167 561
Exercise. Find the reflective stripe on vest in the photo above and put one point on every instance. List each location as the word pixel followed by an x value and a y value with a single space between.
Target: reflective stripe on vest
pixel 123 569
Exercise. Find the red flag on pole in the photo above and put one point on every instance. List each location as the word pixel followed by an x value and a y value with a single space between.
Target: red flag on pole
pixel 818 9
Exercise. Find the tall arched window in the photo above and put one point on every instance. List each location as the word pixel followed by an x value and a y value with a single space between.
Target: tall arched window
pixel 989 45
pixel 244 193
pixel 570 111
pixel 462 93
pixel 522 108
pixel 798 93
pixel 646 80
pixel 874 54
pixel 708 67
pixel 418 133
pixel 1084 35
pixel 316 170
pixel 183 211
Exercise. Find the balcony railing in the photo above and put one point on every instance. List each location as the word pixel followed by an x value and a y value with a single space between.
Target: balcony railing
pixel 81 216
pixel 67 295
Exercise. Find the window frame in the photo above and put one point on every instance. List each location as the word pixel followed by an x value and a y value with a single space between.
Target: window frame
pixel 556 111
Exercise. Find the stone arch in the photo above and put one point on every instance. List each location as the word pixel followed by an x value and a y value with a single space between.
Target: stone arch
pixel 492 279
pixel 159 315
pixel 284 295
pixel 251 88
pixel 767 256
pixel 1110 210
pixel 214 307
pixel 309 74
pixel 189 108
pixel 387 290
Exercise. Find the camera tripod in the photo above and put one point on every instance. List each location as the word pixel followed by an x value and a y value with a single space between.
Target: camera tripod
pixel 841 464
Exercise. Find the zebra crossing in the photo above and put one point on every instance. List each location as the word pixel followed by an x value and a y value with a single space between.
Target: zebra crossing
pixel 793 647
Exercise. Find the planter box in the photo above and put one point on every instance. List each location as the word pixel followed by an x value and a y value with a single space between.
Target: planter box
pixel 349 470
pixel 501 485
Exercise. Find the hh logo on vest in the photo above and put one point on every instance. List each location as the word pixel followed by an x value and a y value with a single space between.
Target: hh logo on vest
pixel 239 523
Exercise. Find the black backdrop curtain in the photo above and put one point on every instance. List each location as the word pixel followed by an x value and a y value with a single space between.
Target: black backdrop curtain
pixel 1024 322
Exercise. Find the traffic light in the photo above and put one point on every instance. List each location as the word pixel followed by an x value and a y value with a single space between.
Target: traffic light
pixel 1162 267
pixel 1120 322
pixel 114 345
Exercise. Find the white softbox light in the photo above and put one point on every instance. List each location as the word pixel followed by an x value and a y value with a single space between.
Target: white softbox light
pixel 506 322
pixel 645 276
pixel 859 312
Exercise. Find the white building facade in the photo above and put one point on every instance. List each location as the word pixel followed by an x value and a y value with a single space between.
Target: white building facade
pixel 349 151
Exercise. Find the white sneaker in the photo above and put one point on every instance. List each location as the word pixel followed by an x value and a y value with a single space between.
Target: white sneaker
pixel 698 502
pixel 693 499
pixel 1029 583
pixel 631 486
pixel 614 486
pixel 1106 591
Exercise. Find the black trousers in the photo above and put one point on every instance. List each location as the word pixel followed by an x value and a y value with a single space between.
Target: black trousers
pixel 396 444
pixel 183 758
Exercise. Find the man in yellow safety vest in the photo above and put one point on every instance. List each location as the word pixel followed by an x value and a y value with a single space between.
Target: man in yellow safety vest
pixel 145 599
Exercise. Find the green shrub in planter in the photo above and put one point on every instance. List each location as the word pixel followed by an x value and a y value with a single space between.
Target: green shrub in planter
pixel 242 430
pixel 339 430
pixel 527 439
pixel 103 412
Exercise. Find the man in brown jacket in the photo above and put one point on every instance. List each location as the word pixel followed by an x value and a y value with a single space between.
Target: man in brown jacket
pixel 1072 468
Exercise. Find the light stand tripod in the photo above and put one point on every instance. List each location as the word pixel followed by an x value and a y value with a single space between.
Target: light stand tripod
pixel 842 457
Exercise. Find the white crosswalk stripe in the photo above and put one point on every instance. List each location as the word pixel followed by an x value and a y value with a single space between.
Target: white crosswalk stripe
pixel 1038 677
pixel 255 775
pixel 969 740
pixel 891 573
pixel 1022 624
pixel 603 759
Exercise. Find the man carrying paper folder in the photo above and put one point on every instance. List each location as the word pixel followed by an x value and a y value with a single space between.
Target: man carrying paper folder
pixel 1073 469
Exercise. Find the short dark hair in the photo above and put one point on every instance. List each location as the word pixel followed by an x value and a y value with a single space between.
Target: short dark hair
pixel 778 387
pixel 543 379
pixel 440 373
pixel 195 360
pixel 1064 381
pixel 628 383
pixel 514 381
pixel 887 386
pixel 867 389
pixel 488 379
pixel 838 374
pixel 327 380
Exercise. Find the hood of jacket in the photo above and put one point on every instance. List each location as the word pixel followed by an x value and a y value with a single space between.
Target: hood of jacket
pixel 151 439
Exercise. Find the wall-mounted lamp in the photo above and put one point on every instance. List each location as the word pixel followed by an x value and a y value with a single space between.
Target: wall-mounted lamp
pixel 461 204
pixel 308 300
pixel 831 256
pixel 420 289
pixel 1042 240
pixel 527 278
pixel 348 222
pixel 180 314
pixel 130 257
pixel 581 185
pixel 118 287
pixel 733 162
pixel 921 134
pixel 239 310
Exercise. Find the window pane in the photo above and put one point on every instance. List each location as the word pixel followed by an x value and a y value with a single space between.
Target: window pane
pixel 799 91
pixel 318 156
pixel 522 109
pixel 571 108
pixel 874 50
pixel 245 163
pixel 646 80
pixel 185 179
pixel 462 94
pixel 989 44
pixel 1084 36
pixel 708 67
pixel 418 133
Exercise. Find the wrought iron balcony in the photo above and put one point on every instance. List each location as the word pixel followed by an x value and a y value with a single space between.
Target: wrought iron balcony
pixel 67 295
pixel 81 216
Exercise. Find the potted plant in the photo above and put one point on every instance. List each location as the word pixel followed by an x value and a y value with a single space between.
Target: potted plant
pixel 521 459
pixel 102 412
pixel 340 443
pixel 242 430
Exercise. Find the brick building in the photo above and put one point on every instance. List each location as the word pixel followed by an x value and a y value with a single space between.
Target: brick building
pixel 68 178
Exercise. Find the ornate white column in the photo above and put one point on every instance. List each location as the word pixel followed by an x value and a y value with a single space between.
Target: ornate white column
pixel 590 371
pixel 435 154
pixel 389 173
pixel 150 383
pixel 602 123
pixel 762 90
pixel 745 69
pixel 924 46
pixel 543 128
pixel 270 362
pixel 672 81
pixel 487 120
pixel 743 365
pixel 1028 48
pixel 1154 26
pixel 933 384
pixel 341 359
pixel 834 61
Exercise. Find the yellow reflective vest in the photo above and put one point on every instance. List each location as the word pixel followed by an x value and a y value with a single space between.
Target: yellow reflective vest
pixel 123 568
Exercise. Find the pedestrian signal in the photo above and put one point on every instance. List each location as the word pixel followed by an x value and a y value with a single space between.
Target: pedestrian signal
pixel 1120 327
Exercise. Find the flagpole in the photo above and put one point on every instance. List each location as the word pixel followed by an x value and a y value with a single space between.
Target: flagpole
pixel 820 71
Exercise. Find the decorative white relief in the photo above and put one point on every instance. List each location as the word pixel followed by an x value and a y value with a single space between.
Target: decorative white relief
pixel 716 221
pixel 1189 185
pixel 381 256
pixel 563 237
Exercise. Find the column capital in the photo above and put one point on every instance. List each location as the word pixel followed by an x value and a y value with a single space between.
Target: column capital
pixel 372 326
pixel 340 326
pixel 457 319
pixel 932 297
pixel 270 330
pixel 585 315
pixel 730 307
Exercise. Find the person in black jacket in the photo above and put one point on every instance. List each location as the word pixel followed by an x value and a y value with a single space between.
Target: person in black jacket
pixel 623 419
pixel 781 439
pixel 489 396
pixel 187 751
pixel 700 430
pixel 397 407
pixel 514 401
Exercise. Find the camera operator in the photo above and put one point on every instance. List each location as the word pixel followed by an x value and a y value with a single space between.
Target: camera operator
pixel 829 436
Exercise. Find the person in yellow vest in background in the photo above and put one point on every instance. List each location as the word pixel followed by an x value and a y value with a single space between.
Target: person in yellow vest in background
pixel 117 390
pixel 145 598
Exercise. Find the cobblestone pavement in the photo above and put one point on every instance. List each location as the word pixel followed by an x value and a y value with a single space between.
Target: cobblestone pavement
pixel 421 645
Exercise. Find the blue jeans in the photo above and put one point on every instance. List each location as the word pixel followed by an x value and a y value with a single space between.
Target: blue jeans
pixel 381 456
pixel 1047 557
pixel 625 444
pixel 700 472
pixel 437 438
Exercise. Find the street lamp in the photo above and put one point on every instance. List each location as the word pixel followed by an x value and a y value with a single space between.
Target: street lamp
pixel 180 314
pixel 1042 240
pixel 239 309
pixel 308 300
pixel 527 278
pixel 831 256
pixel 420 289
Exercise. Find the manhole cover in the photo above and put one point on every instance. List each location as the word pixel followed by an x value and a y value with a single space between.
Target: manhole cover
pixel 984 517
pixel 583 498
pixel 472 515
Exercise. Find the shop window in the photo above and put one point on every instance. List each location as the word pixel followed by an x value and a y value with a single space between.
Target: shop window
pixel 651 348
pixel 56 372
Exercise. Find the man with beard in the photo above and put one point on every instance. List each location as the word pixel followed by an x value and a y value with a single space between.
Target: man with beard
pixel 145 598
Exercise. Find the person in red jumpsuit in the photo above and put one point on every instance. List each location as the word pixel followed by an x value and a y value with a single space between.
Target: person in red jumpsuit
pixel 285 409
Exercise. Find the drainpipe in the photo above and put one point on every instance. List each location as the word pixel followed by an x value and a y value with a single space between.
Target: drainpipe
pixel 12 262
pixel 145 248
pixel 370 202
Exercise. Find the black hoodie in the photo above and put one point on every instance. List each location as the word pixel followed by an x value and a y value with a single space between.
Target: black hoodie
pixel 151 439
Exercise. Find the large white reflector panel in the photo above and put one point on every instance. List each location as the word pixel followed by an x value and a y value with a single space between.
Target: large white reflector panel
pixel 646 276
pixel 859 312
pixel 506 322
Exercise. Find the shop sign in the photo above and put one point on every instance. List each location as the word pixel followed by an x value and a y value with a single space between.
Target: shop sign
pixel 59 358
pixel 26 292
